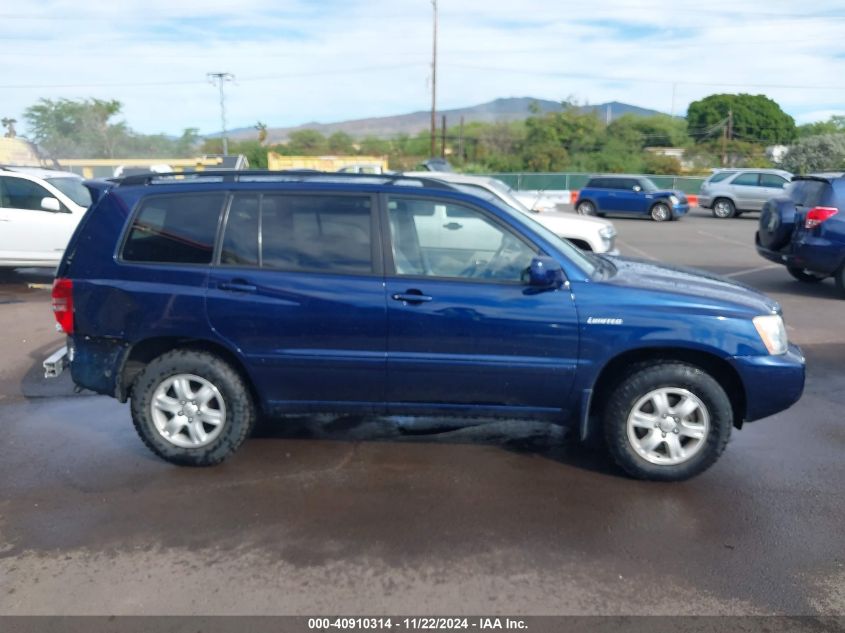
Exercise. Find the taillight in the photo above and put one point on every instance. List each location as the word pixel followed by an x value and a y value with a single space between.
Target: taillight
pixel 63 304
pixel 817 215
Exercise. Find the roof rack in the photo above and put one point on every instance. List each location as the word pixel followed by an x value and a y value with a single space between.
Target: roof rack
pixel 257 175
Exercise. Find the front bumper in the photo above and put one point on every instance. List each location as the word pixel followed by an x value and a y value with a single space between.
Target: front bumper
pixel 772 383
pixel 682 208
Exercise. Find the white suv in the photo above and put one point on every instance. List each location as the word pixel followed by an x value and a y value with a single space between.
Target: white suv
pixel 39 210
pixel 587 233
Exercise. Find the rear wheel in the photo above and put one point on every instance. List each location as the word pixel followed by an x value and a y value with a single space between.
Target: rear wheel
pixel 192 408
pixel 661 212
pixel 801 274
pixel 586 208
pixel 667 421
pixel 723 209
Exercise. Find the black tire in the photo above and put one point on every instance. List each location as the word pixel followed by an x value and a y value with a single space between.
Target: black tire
pixel 661 212
pixel 723 208
pixel 840 280
pixel 645 378
pixel 585 207
pixel 239 416
pixel 804 276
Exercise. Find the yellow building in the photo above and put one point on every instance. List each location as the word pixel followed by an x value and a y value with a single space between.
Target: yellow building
pixel 322 163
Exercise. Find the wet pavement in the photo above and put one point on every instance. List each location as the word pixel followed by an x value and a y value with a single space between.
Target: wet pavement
pixel 357 515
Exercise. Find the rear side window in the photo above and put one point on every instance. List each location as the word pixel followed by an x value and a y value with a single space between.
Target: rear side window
pixel 808 193
pixel 177 229
pixel 772 180
pixel 299 233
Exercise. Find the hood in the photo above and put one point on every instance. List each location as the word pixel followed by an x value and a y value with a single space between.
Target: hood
pixel 707 288
pixel 559 222
pixel 663 193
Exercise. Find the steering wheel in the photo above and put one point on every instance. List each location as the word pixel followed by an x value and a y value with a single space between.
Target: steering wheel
pixel 484 270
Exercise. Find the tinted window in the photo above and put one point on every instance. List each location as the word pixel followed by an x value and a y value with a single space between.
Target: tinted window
pixel 17 193
pixel 472 246
pixel 720 176
pixel 597 183
pixel 746 179
pixel 808 193
pixel 176 229
pixel 240 239
pixel 73 189
pixel 316 233
pixel 772 180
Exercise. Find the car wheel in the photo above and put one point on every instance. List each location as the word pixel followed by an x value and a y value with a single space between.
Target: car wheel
pixel 661 212
pixel 586 208
pixel 840 280
pixel 667 421
pixel 804 275
pixel 191 408
pixel 723 209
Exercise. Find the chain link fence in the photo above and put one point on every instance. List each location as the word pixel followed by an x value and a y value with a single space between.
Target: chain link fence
pixel 574 181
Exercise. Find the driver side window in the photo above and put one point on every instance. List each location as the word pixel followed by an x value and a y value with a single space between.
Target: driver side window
pixel 437 239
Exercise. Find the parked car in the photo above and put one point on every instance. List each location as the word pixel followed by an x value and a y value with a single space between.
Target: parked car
pixel 39 210
pixel 630 195
pixel 732 192
pixel 364 168
pixel 804 229
pixel 208 300
pixel 589 234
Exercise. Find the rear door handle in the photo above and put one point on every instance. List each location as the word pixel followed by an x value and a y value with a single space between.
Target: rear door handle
pixel 410 297
pixel 238 285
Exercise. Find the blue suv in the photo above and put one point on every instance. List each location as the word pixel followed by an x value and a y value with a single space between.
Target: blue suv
pixel 210 300
pixel 804 229
pixel 630 195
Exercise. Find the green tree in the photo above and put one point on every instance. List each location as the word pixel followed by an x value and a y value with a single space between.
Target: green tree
pixel 306 143
pixel 816 153
pixel 341 143
pixel 73 129
pixel 756 118
pixel 834 125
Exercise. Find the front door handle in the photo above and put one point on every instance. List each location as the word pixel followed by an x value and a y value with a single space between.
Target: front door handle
pixel 411 297
pixel 238 285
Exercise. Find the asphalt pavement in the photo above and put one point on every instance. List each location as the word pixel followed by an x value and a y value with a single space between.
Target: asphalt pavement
pixel 355 515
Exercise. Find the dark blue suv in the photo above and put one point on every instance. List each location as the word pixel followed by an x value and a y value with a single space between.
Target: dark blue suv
pixel 630 195
pixel 211 300
pixel 804 229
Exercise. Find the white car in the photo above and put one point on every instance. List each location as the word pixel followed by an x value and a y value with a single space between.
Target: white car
pixel 587 233
pixel 39 210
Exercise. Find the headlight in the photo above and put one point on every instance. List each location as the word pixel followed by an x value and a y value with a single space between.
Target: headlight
pixel 607 232
pixel 674 199
pixel 772 332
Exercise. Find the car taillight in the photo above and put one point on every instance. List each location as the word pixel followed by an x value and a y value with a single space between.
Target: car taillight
pixel 63 304
pixel 817 215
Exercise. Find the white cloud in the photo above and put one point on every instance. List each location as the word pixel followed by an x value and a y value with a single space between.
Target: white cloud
pixel 299 61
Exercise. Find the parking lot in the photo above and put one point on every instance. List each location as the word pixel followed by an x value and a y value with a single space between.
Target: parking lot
pixel 365 516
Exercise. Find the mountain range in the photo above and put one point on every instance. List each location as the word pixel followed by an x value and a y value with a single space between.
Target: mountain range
pixel 505 109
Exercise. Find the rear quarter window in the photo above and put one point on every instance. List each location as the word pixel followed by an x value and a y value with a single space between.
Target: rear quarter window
pixel 808 193
pixel 177 229
pixel 720 176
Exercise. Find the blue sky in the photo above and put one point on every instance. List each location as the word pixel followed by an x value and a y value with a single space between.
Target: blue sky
pixel 298 61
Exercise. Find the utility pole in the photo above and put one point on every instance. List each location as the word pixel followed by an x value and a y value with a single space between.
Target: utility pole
pixel 461 140
pixel 727 132
pixel 218 79
pixel 443 138
pixel 434 84
pixel 674 91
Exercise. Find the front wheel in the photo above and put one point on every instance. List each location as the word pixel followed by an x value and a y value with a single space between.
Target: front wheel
pixel 661 212
pixel 586 208
pixel 667 421
pixel 191 408
pixel 804 275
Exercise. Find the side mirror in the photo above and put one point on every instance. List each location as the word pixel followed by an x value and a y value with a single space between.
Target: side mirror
pixel 637 188
pixel 544 272
pixel 51 204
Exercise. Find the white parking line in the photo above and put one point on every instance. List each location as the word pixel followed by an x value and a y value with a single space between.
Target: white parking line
pixel 638 251
pixel 748 271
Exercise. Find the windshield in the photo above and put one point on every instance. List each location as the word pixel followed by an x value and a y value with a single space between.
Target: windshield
pixel 73 189
pixel 572 252
pixel 648 185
